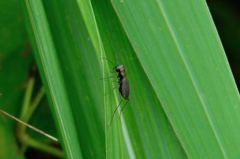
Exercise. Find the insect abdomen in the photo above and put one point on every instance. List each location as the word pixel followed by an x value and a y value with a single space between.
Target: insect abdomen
pixel 125 88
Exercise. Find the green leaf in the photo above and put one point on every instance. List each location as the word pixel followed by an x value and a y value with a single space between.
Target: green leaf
pixel 81 70
pixel 182 56
pixel 183 101
pixel 138 134
pixel 52 77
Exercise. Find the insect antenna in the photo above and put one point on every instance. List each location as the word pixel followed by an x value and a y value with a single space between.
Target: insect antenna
pixel 109 61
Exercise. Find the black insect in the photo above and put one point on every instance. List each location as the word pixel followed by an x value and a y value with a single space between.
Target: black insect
pixel 123 85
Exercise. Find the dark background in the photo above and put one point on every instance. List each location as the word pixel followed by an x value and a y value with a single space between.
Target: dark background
pixel 226 16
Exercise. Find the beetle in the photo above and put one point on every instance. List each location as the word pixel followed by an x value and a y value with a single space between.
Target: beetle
pixel 123 85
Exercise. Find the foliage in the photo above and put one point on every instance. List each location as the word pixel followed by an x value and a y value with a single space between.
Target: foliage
pixel 183 99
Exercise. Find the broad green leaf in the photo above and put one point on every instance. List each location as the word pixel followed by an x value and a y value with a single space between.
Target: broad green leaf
pixel 81 70
pixel 52 77
pixel 180 51
pixel 139 129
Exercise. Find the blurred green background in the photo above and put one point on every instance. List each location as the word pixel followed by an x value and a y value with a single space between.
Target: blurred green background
pixel 16 58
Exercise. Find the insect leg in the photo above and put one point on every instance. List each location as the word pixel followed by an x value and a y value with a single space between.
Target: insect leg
pixel 107 77
pixel 112 71
pixel 116 108
pixel 123 107
pixel 113 88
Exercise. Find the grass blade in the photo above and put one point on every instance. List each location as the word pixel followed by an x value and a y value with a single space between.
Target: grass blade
pixel 186 65
pixel 51 74
pixel 137 136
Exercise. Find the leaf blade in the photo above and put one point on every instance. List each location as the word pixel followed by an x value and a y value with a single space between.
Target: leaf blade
pixel 169 38
pixel 51 74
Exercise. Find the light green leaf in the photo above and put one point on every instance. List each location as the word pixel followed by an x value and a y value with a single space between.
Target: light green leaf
pixel 182 56
pixel 52 77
